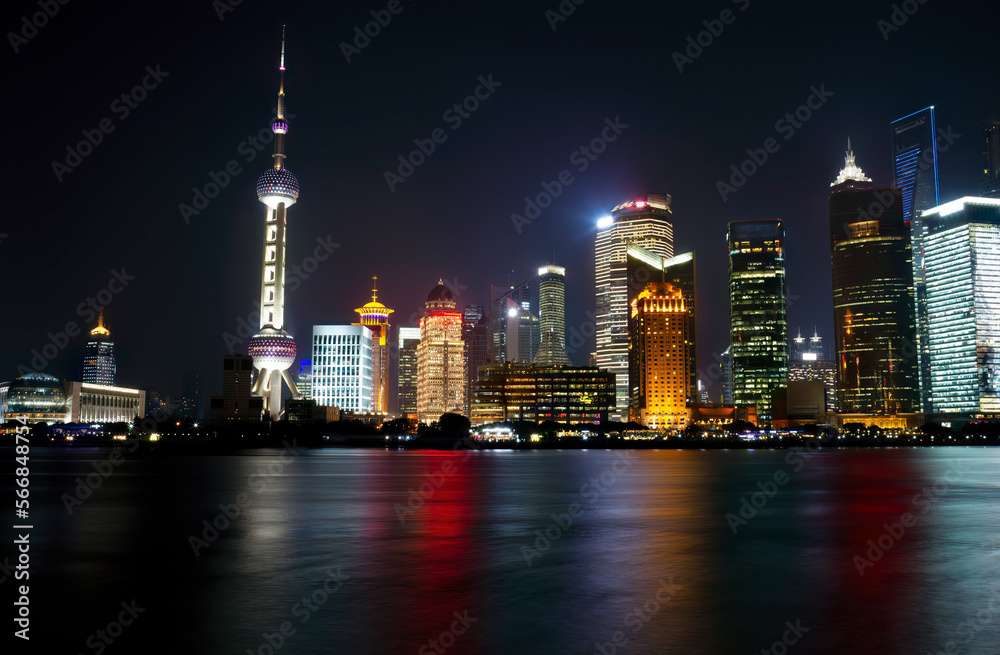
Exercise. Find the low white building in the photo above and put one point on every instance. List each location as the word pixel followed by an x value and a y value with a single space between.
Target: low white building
pixel 98 403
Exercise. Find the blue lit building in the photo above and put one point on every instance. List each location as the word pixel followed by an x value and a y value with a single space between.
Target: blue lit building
pixel 915 174
pixel 342 367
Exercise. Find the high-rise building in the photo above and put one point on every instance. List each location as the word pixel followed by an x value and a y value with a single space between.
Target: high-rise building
pixel 515 331
pixel 962 260
pixel 272 348
pixel 476 337
pixel 658 357
pixel 991 157
pixel 189 403
pixel 442 381
pixel 236 402
pixel 342 367
pixel 99 356
pixel 409 339
pixel 643 267
pixel 646 222
pixel 808 363
pixel 873 308
pixel 915 175
pixel 758 329
pixel 375 316
pixel 552 301
pixel 508 391
pixel 303 381
pixel 726 363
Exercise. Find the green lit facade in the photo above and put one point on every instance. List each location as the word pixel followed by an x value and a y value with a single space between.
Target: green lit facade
pixel 758 324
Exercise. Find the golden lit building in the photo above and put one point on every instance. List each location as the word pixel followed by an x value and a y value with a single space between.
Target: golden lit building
pixel 441 375
pixel 375 316
pixel 658 357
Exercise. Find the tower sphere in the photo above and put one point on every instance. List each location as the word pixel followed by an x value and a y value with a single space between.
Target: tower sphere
pixel 272 349
pixel 277 185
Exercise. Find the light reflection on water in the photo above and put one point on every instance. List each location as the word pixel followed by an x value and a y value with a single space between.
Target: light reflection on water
pixel 655 522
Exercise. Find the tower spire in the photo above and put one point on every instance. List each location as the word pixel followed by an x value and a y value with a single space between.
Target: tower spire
pixel 374 288
pixel 280 126
pixel 850 171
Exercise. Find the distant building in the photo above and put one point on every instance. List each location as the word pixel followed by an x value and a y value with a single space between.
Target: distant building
pixel 342 367
pixel 303 381
pixel 552 302
pixel 915 175
pixel 564 394
pixel 375 316
pixel 991 157
pixel 808 362
pixel 758 318
pixel 798 404
pixel 873 302
pixel 99 355
pixel 726 362
pixel 962 259
pixel 189 403
pixel 34 398
pixel 646 222
pixel 409 339
pixel 658 357
pixel 476 337
pixel 305 411
pixel 236 403
pixel 442 381
pixel 97 403
pixel 507 303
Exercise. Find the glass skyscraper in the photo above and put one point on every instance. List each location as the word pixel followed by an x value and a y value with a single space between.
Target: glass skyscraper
pixel 962 259
pixel 99 356
pixel 648 223
pixel 915 175
pixel 409 339
pixel 758 325
pixel 342 367
pixel 873 302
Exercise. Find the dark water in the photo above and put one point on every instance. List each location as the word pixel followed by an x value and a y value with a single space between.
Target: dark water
pixel 645 555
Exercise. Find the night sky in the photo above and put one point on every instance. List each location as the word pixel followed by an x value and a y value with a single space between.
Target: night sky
pixel 118 209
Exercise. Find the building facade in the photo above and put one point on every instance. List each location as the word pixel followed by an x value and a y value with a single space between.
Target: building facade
pixel 507 307
pixel 442 380
pixel 375 316
pixel 409 340
pixel 758 318
pixel 565 394
pixel 98 403
pixel 808 363
pixel 658 357
pixel 962 259
pixel 552 302
pixel 873 298
pixel 991 157
pixel 476 337
pixel 99 356
pixel 342 367
pixel 646 222
pixel 236 402
pixel 34 398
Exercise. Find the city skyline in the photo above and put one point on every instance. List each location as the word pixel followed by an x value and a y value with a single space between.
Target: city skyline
pixel 678 153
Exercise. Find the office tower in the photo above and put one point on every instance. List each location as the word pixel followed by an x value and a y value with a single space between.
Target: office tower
pixel 726 363
pixel 514 333
pixel 375 316
pixel 648 223
pixel 552 301
pixel 758 331
pixel 303 381
pixel 272 348
pixel 644 266
pixel 508 391
pixel 236 402
pixel 658 357
pixel 476 337
pixel 915 175
pixel 808 363
pixel 873 308
pixel 99 355
pixel 189 403
pixel 991 157
pixel 342 367
pixel 442 380
pixel 409 339
pixel 962 260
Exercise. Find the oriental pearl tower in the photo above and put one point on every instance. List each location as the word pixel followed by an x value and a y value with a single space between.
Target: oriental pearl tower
pixel 273 349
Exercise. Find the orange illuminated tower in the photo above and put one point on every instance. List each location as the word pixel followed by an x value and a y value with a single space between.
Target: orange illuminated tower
pixel 375 316
pixel 658 357
pixel 441 373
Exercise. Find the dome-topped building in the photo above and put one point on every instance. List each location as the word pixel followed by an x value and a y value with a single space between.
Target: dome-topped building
pixel 441 372
pixel 33 398
pixel 441 294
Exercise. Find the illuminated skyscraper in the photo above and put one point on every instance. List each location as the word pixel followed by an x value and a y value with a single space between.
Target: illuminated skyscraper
pixel 272 348
pixel 962 258
pixel 476 337
pixel 873 309
pixel 303 381
pixel 513 323
pixel 552 301
pixel 646 222
pixel 409 339
pixel 375 316
pixel 808 363
pixel 915 175
pixel 658 357
pixel 442 381
pixel 99 356
pixel 342 367
pixel 758 321
pixel 991 157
